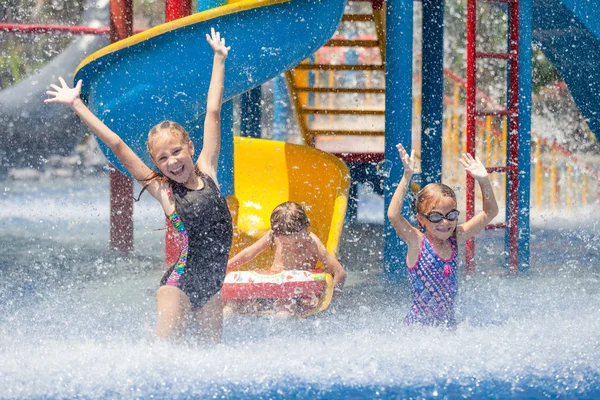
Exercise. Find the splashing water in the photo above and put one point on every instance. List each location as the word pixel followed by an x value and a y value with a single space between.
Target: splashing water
pixel 77 319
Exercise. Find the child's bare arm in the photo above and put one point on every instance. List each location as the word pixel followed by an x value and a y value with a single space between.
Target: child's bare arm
pixel 70 96
pixel 475 168
pixel 332 265
pixel 250 252
pixel 404 229
pixel 211 148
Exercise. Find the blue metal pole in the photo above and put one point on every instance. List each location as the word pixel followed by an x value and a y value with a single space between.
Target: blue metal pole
pixel 398 119
pixel 250 113
pixel 432 91
pixel 525 89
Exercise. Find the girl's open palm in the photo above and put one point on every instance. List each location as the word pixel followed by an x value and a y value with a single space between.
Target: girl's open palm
pixel 217 43
pixel 63 94
pixel 408 162
pixel 473 166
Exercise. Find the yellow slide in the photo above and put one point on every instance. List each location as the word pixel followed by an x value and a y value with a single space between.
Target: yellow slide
pixel 268 173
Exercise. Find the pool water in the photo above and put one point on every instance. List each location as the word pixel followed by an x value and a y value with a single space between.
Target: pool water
pixel 76 319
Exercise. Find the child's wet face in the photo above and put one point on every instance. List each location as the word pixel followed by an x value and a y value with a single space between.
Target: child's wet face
pixel 173 157
pixel 444 229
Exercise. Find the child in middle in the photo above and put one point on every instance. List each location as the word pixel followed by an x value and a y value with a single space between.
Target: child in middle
pixel 295 248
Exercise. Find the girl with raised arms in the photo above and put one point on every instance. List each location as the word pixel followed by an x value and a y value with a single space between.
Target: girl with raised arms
pixel 190 197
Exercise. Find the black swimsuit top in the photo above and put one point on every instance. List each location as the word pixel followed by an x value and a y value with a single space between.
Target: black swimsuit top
pixel 206 219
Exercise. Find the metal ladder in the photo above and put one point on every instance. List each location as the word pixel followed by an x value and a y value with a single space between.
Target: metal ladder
pixel 511 169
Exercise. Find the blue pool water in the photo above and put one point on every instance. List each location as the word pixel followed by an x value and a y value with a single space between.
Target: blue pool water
pixel 76 320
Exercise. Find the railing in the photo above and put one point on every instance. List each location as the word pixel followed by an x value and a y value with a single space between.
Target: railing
pixel 561 179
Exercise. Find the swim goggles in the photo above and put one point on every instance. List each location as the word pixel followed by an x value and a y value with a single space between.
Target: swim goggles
pixel 436 217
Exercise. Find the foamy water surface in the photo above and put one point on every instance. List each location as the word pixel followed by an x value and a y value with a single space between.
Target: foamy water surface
pixel 76 319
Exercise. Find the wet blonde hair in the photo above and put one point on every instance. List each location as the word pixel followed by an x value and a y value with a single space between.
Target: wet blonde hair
pixel 164 128
pixel 167 128
pixel 289 218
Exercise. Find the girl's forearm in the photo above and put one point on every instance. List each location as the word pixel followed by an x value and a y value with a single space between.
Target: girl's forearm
pixel 490 206
pixel 395 208
pixel 217 82
pixel 103 133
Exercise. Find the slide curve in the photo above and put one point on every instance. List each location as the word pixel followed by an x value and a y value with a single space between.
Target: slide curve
pixel 164 72
pixel 569 34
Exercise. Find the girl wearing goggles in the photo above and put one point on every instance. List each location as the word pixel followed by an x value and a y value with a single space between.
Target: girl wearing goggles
pixel 432 250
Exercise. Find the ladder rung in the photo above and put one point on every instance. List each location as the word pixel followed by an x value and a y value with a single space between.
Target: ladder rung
pixel 502 169
pixel 357 18
pixel 360 157
pixel 341 67
pixel 352 43
pixel 503 225
pixel 493 113
pixel 331 132
pixel 339 111
pixel 339 90
pixel 497 169
pixel 497 56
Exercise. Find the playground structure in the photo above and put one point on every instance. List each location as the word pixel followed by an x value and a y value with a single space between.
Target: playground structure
pixel 394 44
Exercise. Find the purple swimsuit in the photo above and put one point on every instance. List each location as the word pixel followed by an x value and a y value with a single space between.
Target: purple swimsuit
pixel 434 286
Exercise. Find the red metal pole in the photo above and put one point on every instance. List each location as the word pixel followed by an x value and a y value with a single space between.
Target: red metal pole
pixel 471 126
pixel 121 187
pixel 37 28
pixel 513 222
pixel 175 9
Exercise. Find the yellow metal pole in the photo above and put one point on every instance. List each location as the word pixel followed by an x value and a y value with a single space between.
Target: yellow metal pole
pixel 539 174
pixel 488 140
pixel 455 131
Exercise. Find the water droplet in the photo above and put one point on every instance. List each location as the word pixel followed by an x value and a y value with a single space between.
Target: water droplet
pixel 384 168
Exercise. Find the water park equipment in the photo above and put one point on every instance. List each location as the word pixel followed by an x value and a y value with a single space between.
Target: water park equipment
pixel 513 167
pixel 130 93
pixel 266 174
pixel 549 24
pixel 26 124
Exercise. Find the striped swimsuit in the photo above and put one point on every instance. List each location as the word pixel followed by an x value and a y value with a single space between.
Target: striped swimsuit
pixel 434 286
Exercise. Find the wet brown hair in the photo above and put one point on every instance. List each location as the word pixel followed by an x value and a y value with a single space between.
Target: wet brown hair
pixel 289 218
pixel 430 195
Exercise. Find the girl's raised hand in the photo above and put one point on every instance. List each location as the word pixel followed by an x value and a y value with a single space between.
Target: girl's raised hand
pixel 408 162
pixel 473 166
pixel 63 94
pixel 217 43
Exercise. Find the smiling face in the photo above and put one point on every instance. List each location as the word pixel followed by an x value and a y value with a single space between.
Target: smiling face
pixel 436 198
pixel 444 229
pixel 172 151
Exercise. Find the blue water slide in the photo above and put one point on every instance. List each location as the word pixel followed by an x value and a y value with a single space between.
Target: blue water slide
pixel 164 73
pixel 568 32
